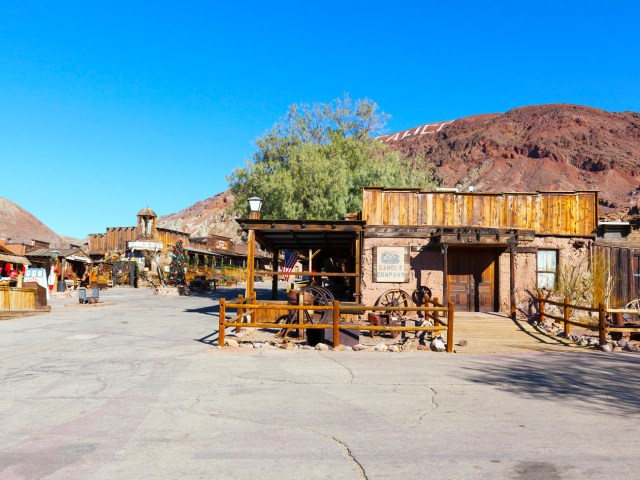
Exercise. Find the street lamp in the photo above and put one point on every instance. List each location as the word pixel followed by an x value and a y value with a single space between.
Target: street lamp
pixel 255 205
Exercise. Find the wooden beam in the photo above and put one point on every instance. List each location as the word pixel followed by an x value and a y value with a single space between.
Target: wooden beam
pixel 251 262
pixel 445 271
pixel 512 280
pixel 274 280
pixel 358 254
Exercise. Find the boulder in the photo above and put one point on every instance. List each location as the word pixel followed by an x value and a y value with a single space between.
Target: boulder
pixel 230 342
pixel 322 346
pixel 381 347
pixel 437 345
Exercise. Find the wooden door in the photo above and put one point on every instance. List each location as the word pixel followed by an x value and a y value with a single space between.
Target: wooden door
pixel 472 280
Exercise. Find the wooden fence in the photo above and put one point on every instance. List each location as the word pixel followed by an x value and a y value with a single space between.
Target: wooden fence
pixel 603 326
pixel 248 306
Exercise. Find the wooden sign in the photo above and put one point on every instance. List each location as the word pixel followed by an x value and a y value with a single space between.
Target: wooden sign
pixel 391 264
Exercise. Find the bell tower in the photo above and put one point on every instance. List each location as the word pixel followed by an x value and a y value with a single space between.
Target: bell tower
pixel 146 223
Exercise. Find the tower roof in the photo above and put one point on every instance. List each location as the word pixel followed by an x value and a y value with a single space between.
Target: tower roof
pixel 146 212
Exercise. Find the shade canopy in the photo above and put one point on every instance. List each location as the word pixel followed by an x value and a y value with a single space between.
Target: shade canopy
pixel 330 236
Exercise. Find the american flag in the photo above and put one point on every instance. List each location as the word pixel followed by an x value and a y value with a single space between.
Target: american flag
pixel 290 259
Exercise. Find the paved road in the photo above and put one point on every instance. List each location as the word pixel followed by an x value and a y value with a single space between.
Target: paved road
pixel 128 391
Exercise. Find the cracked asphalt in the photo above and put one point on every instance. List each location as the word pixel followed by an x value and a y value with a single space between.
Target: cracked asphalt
pixel 137 390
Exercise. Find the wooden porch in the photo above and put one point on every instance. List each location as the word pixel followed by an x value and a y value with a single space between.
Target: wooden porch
pixel 497 333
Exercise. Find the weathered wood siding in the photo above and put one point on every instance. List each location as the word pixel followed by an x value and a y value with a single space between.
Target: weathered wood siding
pixel 623 265
pixel 561 213
pixel 116 239
pixel 16 299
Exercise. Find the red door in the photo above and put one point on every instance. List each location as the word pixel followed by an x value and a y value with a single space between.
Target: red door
pixel 472 279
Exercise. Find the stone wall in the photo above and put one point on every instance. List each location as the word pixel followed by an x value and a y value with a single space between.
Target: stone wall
pixel 574 256
pixel 427 269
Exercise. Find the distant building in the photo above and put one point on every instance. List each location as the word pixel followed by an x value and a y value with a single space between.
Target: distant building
pixel 151 247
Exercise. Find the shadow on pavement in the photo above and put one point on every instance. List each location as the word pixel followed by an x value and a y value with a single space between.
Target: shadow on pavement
pixel 606 383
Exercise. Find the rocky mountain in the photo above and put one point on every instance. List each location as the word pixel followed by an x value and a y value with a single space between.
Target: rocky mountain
pixel 21 227
pixel 544 147
pixel 205 217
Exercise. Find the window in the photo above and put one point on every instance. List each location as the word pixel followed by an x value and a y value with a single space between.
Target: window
pixel 547 268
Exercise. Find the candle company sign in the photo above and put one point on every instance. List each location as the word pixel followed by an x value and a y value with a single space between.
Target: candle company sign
pixel 391 264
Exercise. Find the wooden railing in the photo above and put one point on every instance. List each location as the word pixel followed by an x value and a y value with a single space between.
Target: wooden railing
pixel 602 328
pixel 244 306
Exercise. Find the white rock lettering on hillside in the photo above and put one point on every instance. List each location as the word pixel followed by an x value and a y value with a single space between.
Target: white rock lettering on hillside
pixel 413 132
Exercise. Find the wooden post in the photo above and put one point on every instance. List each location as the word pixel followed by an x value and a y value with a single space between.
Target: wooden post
pixel 336 322
pixel 567 314
pixel 512 280
pixel 450 328
pixel 240 310
pixel 436 314
pixel 541 307
pixel 251 252
pixel 602 323
pixel 357 294
pixel 221 322
pixel 445 271
pixel 300 314
pixel 274 280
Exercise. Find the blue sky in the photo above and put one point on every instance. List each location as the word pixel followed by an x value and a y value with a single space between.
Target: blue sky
pixel 105 109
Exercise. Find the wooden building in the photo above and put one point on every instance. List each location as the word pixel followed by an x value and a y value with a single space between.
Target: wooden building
pixel 618 248
pixel 151 246
pixel 145 236
pixel 483 251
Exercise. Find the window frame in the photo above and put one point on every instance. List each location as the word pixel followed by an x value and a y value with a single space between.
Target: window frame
pixel 547 272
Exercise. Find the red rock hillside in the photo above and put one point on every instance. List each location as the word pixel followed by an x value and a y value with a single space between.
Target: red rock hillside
pixel 205 217
pixel 21 227
pixel 545 147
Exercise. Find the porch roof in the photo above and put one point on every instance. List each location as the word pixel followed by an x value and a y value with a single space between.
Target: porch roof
pixel 328 235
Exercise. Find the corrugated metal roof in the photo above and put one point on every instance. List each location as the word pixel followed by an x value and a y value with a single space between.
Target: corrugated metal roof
pixel 62 252
pixel 14 259
pixel 195 250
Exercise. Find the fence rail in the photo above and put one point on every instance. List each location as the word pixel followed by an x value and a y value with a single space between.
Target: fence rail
pixel 246 306
pixel 602 328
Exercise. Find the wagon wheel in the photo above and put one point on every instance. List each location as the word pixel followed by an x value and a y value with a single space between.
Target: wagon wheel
pixel 632 305
pixel 321 297
pixel 393 298
pixel 421 295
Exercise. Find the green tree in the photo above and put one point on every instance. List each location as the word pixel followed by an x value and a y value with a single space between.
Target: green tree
pixel 314 162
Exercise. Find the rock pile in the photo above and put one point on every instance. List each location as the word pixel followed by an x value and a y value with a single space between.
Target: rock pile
pixel 407 345
pixel 583 340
